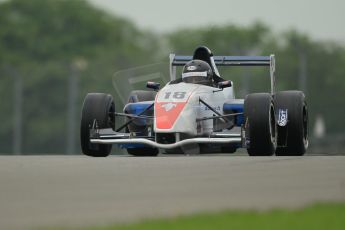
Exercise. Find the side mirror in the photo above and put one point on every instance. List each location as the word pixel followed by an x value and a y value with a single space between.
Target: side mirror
pixel 224 84
pixel 153 85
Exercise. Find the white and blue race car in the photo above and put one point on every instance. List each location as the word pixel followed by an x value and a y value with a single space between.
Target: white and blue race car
pixel 197 112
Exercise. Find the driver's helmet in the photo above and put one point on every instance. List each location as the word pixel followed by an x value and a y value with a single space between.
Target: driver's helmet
pixel 197 72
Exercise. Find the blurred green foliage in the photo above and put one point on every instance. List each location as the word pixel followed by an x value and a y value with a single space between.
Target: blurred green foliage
pixel 45 42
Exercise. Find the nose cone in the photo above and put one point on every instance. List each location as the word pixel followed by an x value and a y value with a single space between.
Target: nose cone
pixel 167 113
pixel 170 106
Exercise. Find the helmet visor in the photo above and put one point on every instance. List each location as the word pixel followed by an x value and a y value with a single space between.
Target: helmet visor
pixel 195 77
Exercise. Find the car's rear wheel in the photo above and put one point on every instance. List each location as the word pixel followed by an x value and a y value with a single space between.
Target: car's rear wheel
pixel 143 152
pixel 228 149
pixel 98 108
pixel 260 124
pixel 295 132
pixel 174 151
pixel 139 96
pixel 139 127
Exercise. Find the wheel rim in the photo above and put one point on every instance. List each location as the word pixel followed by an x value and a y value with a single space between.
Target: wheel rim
pixel 305 126
pixel 111 116
pixel 272 123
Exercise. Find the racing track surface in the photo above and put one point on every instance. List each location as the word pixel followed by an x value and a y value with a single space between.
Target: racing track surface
pixel 38 191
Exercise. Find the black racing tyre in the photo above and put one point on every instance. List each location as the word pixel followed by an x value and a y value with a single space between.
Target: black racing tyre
pixel 97 107
pixel 260 124
pixel 139 96
pixel 228 149
pixel 297 122
pixel 177 150
pixel 143 152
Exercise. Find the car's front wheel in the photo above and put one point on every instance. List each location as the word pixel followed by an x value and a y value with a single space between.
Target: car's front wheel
pixel 98 108
pixel 260 124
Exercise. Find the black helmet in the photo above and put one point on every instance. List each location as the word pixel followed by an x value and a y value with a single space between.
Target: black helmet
pixel 197 72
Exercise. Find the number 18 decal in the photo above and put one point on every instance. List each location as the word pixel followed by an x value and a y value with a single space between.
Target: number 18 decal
pixel 175 95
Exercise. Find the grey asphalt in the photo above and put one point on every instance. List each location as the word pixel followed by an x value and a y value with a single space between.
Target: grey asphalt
pixel 41 191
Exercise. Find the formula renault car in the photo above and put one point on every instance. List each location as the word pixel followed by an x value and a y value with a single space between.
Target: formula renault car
pixel 198 113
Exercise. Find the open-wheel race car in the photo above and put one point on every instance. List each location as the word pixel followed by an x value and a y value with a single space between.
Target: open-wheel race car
pixel 197 112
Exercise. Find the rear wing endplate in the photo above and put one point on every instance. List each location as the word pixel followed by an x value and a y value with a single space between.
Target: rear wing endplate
pixel 177 60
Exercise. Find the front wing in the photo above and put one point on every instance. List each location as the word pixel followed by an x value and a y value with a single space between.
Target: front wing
pixel 108 136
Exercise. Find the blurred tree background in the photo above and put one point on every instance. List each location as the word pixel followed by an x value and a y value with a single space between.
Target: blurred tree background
pixel 53 52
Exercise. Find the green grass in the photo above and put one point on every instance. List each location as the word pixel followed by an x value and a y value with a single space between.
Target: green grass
pixel 321 216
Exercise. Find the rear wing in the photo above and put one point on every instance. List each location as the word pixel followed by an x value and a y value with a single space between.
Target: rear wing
pixel 176 60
